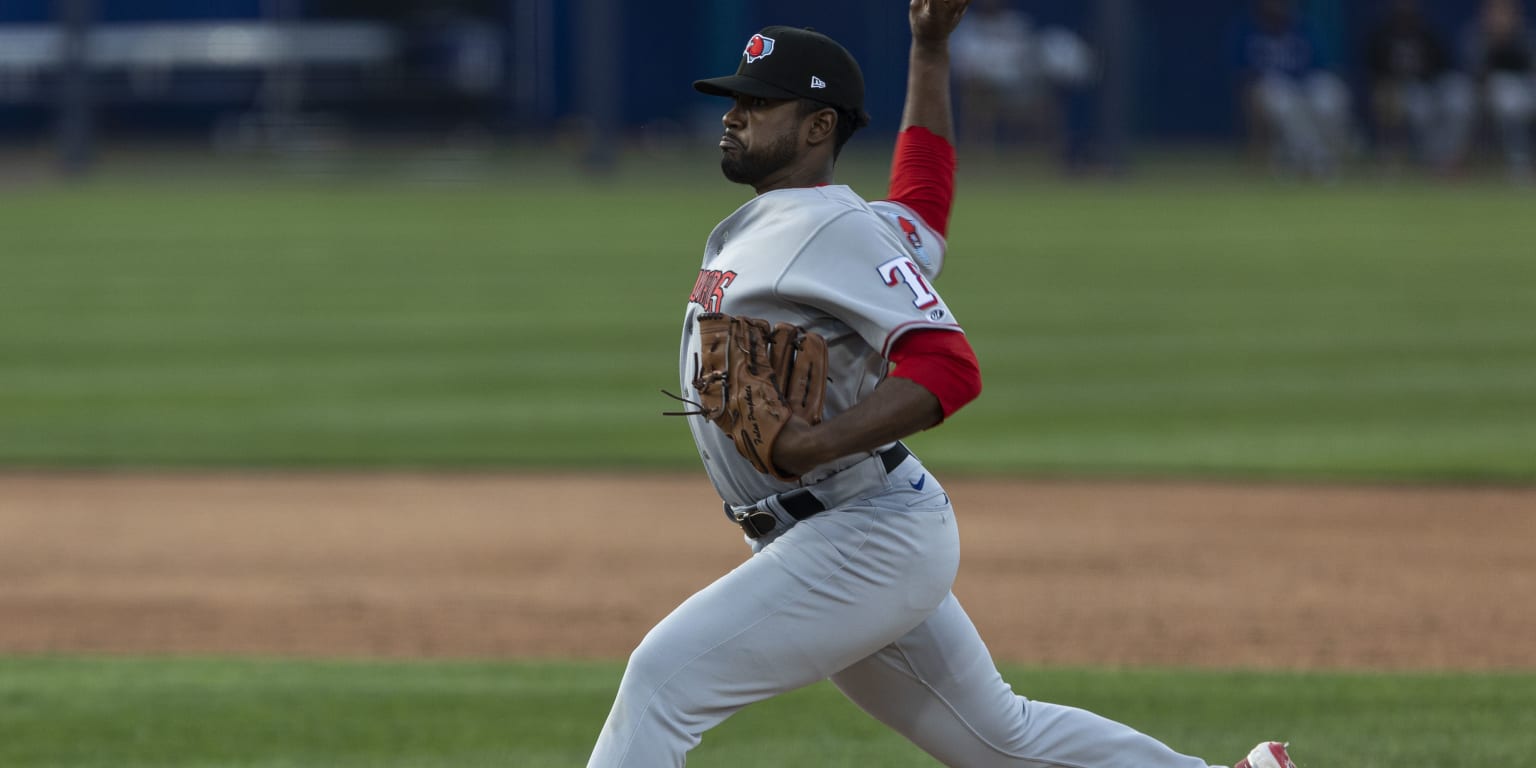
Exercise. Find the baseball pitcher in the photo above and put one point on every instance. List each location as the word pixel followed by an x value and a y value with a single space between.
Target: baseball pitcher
pixel 812 342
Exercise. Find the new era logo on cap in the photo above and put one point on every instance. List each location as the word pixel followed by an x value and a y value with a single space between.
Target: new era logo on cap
pixel 817 82
pixel 758 47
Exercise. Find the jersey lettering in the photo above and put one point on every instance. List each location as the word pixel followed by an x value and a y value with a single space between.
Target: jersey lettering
pixel 709 289
pixel 902 270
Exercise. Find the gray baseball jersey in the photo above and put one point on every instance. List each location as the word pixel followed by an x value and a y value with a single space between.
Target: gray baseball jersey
pixel 858 592
pixel 824 259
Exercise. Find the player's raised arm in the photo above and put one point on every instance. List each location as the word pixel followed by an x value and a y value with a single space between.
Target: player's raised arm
pixel 928 100
pixel 923 168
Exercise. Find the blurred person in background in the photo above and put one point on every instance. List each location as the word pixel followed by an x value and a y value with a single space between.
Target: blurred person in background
pixel 1418 97
pixel 1009 75
pixel 1294 105
pixel 1499 51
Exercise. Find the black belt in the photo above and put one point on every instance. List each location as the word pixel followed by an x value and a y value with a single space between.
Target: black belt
pixel 801 503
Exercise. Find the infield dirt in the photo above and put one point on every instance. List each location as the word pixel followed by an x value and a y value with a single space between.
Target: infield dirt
pixel 580 566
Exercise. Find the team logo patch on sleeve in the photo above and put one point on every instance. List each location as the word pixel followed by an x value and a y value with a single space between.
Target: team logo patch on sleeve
pixel 909 228
pixel 914 238
pixel 758 47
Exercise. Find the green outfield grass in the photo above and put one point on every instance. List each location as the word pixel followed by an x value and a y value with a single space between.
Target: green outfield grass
pixel 126 713
pixel 1168 324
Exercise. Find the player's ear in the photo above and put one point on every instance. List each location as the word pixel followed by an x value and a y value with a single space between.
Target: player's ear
pixel 820 126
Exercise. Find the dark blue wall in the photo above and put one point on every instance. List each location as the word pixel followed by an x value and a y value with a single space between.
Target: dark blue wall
pixel 1183 72
pixel 134 10
pixel 1182 76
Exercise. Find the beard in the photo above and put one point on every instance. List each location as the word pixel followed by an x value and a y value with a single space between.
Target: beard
pixel 752 166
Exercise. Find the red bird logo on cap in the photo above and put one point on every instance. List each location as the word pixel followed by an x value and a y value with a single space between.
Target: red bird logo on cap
pixel 758 47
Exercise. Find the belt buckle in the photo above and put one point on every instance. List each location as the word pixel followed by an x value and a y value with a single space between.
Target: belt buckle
pixel 756 521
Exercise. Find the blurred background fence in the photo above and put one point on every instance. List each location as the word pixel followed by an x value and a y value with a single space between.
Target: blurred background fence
pixel 1115 74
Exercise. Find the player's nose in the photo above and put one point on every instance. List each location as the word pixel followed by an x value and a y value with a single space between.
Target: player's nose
pixel 735 117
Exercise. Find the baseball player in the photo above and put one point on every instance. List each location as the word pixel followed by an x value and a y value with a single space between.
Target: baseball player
pixel 814 341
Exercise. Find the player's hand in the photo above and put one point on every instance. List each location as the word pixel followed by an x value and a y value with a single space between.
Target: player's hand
pixel 933 20
pixel 793 452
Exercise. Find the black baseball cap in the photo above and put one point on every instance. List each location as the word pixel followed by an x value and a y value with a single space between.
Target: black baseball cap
pixel 793 63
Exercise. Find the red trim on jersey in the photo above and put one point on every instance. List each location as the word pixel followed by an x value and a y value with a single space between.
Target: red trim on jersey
pixel 923 176
pixel 907 327
pixel 942 362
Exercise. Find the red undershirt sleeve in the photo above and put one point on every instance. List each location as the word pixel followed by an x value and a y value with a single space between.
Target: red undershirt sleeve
pixel 941 362
pixel 923 176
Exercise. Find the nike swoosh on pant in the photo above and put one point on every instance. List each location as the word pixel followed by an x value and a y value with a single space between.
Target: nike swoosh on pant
pixel 918 486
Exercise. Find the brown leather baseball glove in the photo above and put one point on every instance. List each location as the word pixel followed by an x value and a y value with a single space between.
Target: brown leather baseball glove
pixel 753 376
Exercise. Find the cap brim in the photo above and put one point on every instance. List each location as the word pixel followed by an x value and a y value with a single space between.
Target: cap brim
pixel 730 85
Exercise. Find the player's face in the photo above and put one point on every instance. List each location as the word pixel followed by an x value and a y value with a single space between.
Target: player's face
pixel 762 138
